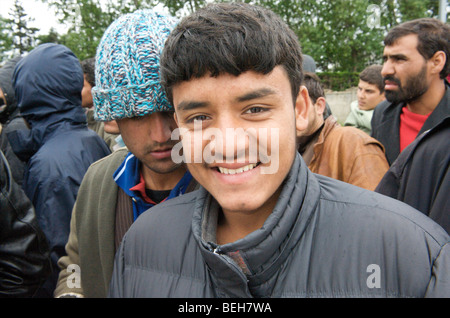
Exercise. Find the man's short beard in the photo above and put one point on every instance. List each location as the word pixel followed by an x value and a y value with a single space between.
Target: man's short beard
pixel 413 89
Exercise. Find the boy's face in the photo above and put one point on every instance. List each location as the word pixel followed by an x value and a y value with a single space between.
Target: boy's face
pixel 369 95
pixel 148 138
pixel 238 136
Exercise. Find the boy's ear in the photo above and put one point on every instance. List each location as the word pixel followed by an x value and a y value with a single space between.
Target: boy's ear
pixel 320 106
pixel 302 105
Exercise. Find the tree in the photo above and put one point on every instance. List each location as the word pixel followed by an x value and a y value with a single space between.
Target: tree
pixel 6 41
pixel 341 35
pixel 23 36
pixel 88 20
pixel 51 37
pixel 347 35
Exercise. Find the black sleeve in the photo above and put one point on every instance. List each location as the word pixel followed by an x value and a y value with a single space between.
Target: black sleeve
pixel 24 252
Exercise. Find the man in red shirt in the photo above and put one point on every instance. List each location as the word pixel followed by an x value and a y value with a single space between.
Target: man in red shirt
pixel 416 64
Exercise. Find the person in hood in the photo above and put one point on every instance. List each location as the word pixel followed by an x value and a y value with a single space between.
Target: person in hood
pixel 58 147
pixel 262 224
pixel 10 118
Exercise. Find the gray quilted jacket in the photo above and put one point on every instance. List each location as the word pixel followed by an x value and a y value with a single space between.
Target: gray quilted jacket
pixel 324 238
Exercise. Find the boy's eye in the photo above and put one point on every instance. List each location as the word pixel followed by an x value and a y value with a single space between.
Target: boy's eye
pixel 197 118
pixel 255 110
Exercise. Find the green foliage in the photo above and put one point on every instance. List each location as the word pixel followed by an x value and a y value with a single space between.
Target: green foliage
pixel 339 81
pixel 343 36
pixel 6 41
pixel 16 35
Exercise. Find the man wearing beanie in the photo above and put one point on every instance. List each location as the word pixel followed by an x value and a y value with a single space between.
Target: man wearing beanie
pixel 119 188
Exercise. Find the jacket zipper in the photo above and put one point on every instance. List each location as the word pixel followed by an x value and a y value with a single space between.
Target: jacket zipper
pixel 216 250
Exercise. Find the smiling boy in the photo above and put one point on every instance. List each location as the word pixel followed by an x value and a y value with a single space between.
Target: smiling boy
pixel 245 233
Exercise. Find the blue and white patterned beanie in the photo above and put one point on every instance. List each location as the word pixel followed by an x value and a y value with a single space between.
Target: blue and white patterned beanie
pixel 127 79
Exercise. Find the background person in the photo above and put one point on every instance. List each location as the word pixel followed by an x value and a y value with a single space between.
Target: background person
pixel 108 135
pixel 58 147
pixel 416 63
pixel 10 118
pixel 117 190
pixel 370 94
pixel 342 153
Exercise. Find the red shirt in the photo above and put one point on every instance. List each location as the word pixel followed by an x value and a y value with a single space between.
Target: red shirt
pixel 410 125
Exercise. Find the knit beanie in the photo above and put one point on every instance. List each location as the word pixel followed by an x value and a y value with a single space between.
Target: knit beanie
pixel 127 66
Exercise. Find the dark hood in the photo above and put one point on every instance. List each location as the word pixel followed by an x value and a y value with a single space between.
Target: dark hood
pixel 47 83
pixel 6 73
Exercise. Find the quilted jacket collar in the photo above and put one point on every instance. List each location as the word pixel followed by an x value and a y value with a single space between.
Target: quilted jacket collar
pixel 256 258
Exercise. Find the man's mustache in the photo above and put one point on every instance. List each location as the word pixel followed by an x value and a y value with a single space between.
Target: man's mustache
pixel 392 79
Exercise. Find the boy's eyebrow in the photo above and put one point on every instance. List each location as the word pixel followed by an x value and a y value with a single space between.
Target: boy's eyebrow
pixel 259 93
pixel 263 92
pixel 189 105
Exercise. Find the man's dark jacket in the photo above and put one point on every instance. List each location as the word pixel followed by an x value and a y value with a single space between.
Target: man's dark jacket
pixel 59 147
pixel 10 119
pixel 324 238
pixel 420 176
pixel 386 123
pixel 24 252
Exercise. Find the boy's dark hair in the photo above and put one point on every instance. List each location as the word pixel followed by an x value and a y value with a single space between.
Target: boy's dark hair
pixel 230 38
pixel 88 67
pixel 433 35
pixel 372 75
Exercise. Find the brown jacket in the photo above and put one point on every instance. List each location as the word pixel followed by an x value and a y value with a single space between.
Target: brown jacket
pixel 348 154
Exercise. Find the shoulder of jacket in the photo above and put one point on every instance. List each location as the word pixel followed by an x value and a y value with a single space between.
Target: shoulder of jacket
pixel 112 160
pixel 383 105
pixel 392 214
pixel 177 208
pixel 351 137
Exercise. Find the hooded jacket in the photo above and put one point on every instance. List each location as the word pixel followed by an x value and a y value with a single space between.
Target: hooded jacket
pixel 59 147
pixel 324 238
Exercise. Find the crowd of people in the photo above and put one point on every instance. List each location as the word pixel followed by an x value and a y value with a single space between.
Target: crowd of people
pixel 94 202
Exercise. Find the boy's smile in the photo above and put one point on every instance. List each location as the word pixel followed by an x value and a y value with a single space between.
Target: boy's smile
pixel 259 104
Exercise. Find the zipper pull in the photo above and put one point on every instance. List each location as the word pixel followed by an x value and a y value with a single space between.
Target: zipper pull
pixel 214 248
